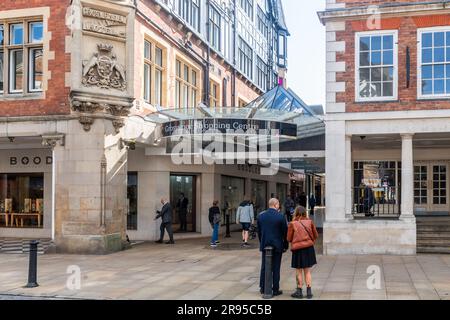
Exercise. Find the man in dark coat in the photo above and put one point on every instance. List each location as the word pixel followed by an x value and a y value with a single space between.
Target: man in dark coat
pixel 272 231
pixel 182 207
pixel 166 215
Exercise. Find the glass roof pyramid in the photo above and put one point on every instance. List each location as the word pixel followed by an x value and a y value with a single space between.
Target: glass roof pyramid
pixel 278 104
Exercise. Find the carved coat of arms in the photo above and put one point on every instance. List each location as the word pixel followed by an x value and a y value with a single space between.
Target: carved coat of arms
pixel 103 70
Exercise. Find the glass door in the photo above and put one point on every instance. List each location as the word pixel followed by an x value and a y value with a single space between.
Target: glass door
pixel 183 201
pixel 431 187
pixel 438 192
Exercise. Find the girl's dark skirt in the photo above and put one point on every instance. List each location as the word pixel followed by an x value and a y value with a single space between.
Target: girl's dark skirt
pixel 304 258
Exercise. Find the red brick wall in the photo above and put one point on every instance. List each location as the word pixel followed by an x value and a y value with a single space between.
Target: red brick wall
pixel 407 37
pixel 56 97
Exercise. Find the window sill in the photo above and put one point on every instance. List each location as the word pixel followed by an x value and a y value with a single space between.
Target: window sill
pixel 378 101
pixel 433 98
pixel 20 96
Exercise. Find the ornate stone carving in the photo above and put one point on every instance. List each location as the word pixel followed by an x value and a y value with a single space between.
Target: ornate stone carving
pixel 86 122
pixel 94 107
pixel 51 140
pixel 118 124
pixel 86 107
pixel 103 70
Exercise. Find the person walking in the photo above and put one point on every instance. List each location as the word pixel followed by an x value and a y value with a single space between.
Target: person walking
pixel 166 215
pixel 272 231
pixel 289 206
pixel 214 219
pixel 302 234
pixel 245 216
pixel 182 207
pixel 312 203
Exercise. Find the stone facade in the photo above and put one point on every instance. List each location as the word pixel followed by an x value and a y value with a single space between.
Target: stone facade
pixel 92 91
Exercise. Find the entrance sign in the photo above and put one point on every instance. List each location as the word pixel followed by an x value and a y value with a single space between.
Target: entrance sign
pixel 245 126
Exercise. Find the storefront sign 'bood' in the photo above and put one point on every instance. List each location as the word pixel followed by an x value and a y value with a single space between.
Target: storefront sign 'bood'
pixel 103 70
pixel 104 22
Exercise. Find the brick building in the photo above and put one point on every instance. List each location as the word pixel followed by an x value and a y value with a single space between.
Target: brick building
pixel 388 112
pixel 79 79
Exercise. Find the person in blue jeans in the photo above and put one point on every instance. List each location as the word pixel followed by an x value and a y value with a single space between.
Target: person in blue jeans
pixel 214 219
pixel 245 216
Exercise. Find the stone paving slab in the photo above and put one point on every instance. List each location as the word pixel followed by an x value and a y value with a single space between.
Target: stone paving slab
pixel 192 270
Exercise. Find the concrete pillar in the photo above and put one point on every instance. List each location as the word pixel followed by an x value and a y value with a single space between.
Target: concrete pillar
pixel 348 177
pixel 335 178
pixel 407 192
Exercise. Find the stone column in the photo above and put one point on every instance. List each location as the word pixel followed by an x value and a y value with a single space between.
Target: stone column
pixel 335 171
pixel 407 192
pixel 348 177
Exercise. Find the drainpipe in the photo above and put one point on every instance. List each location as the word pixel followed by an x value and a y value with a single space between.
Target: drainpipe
pixel 103 192
pixel 233 82
pixel 208 55
pixel 53 193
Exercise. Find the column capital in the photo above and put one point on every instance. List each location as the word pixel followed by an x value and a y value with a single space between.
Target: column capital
pixel 407 135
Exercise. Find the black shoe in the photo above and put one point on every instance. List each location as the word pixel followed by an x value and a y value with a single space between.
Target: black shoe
pixel 309 294
pixel 170 242
pixel 277 293
pixel 159 241
pixel 217 242
pixel 298 294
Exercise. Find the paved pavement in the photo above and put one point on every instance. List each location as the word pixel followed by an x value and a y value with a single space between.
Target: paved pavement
pixel 192 270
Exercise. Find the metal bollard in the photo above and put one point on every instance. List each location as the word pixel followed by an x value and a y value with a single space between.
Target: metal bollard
pixel 32 269
pixel 268 294
pixel 227 221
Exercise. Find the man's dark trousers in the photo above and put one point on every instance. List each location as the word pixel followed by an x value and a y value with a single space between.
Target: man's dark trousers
pixel 276 266
pixel 166 226
pixel 183 219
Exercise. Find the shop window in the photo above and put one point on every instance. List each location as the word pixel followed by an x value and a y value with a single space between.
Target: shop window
pixel 186 85
pixel 22 200
pixel 132 201
pixel 153 73
pixel 434 62
pixel 233 192
pixel 21 57
pixel 376 61
pixel 377 188
pixel 259 195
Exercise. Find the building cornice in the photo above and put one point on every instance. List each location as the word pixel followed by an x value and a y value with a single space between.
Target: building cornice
pixel 388 115
pixel 385 10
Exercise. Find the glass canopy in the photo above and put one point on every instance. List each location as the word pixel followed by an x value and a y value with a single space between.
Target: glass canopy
pixel 278 104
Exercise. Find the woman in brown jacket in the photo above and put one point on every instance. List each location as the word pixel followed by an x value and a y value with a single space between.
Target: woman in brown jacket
pixel 302 234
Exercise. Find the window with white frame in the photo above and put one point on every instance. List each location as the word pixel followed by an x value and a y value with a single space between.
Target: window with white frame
pixel 434 63
pixel 263 22
pixel 261 74
pixel 214 28
pixel 21 56
pixel 153 73
pixel 245 58
pixel 247 6
pixel 376 66
pixel 189 10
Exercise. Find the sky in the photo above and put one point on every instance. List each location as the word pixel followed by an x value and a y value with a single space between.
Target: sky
pixel 306 50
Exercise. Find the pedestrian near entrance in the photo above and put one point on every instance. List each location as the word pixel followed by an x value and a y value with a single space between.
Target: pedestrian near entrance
pixel 272 231
pixel 289 207
pixel 245 216
pixel 302 234
pixel 182 208
pixel 312 203
pixel 166 215
pixel 214 219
